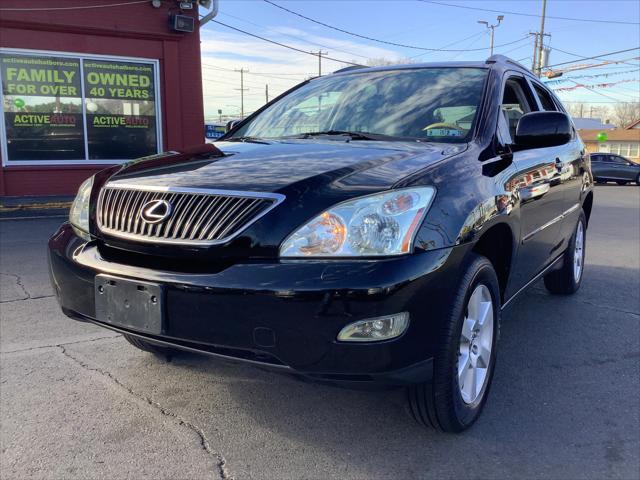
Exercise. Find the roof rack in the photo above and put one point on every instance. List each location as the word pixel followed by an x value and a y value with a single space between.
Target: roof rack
pixel 349 68
pixel 502 59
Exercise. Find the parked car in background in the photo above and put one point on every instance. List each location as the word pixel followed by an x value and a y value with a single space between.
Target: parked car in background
pixel 369 226
pixel 608 167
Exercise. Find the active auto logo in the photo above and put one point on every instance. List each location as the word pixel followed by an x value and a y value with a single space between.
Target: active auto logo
pixel 155 211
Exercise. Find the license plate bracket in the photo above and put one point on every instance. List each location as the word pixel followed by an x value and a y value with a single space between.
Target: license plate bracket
pixel 130 304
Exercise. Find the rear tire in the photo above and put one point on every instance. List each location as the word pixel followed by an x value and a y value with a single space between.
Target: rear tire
pixel 621 182
pixel 463 368
pixel 638 179
pixel 568 279
pixel 162 352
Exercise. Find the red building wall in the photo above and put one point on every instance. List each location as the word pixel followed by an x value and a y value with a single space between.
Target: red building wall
pixel 138 30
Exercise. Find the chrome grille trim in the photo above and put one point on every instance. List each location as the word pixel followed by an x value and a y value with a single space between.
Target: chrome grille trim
pixel 200 217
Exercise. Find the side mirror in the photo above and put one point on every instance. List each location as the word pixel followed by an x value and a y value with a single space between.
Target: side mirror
pixel 543 129
pixel 231 125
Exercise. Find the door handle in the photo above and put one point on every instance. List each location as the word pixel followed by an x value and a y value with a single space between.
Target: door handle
pixel 534 191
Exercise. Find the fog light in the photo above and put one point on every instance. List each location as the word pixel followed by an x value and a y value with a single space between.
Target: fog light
pixel 375 329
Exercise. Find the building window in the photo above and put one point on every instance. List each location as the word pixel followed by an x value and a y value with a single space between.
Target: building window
pixel 74 109
pixel 619 148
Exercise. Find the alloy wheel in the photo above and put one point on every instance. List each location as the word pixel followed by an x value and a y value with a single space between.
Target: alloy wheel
pixel 476 342
pixel 578 253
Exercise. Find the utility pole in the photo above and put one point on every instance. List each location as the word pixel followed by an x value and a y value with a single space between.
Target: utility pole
pixel 242 90
pixel 541 42
pixel 534 63
pixel 266 93
pixel 320 54
pixel 492 28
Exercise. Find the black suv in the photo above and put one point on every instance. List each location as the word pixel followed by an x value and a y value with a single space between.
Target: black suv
pixel 366 226
pixel 615 168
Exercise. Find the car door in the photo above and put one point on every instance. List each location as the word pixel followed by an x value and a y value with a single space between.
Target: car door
pixel 625 170
pixel 538 182
pixel 570 161
pixel 610 168
pixel 598 165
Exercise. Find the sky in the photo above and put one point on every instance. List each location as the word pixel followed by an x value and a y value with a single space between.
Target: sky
pixel 413 23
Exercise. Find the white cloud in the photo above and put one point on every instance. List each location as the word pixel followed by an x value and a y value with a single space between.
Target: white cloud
pixel 226 51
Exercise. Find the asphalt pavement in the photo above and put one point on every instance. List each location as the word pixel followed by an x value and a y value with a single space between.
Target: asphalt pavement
pixel 78 402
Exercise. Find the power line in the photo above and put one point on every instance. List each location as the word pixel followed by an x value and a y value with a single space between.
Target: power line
pixel 376 39
pixel 595 91
pixel 262 74
pixel 595 57
pixel 79 7
pixel 295 37
pixel 529 14
pixel 282 44
pixel 581 57
pixel 588 101
pixel 452 44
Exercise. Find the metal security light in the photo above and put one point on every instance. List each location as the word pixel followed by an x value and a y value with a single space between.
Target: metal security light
pixel 492 28
pixel 182 23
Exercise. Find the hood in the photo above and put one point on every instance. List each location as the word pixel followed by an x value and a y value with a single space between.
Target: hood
pixel 309 176
pixel 278 166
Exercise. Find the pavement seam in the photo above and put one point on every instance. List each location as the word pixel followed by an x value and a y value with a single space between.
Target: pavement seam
pixel 59 345
pixel 204 442
pixel 27 298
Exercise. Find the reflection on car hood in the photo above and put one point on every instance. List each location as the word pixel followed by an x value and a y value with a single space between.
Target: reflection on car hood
pixel 356 165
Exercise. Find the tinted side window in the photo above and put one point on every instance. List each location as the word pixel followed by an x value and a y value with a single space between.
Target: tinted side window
pixel 545 98
pixel 596 158
pixel 516 101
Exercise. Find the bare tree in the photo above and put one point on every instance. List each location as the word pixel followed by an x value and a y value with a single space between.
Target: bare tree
pixel 585 110
pixel 577 110
pixel 382 61
pixel 626 113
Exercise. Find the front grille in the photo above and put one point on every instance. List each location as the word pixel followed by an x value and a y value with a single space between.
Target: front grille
pixel 196 216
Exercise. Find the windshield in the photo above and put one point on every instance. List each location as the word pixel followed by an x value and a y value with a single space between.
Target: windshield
pixel 431 104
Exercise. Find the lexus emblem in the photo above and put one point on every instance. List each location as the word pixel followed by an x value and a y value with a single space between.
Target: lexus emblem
pixel 155 211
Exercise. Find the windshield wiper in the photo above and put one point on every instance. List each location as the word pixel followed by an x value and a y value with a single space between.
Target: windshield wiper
pixel 353 135
pixel 248 140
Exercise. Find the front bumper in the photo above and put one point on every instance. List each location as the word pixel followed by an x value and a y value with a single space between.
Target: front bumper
pixel 300 304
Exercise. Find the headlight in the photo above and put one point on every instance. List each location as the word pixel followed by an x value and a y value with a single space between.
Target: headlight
pixel 79 213
pixel 375 225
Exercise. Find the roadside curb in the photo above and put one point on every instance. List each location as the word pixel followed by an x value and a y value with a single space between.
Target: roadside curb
pixel 13 208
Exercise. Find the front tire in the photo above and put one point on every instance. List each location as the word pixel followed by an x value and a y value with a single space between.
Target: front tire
pixel 622 183
pixel 463 368
pixel 568 279
pixel 157 350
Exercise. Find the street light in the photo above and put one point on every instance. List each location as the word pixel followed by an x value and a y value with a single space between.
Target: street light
pixel 492 28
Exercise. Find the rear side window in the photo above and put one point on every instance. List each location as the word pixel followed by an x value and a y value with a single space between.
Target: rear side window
pixel 545 99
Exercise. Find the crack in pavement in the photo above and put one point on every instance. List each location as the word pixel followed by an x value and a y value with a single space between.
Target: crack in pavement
pixel 25 292
pixel 26 299
pixel 20 350
pixel 204 442
pixel 19 284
